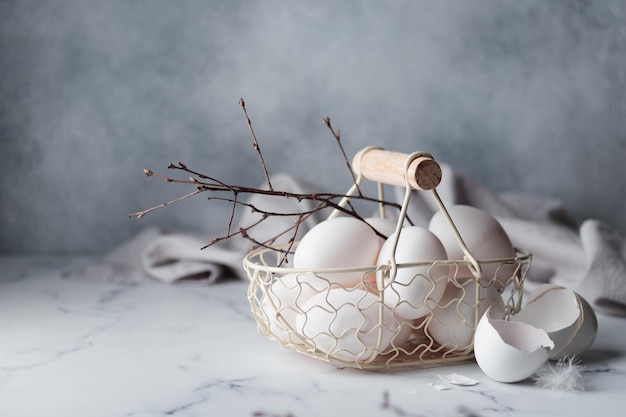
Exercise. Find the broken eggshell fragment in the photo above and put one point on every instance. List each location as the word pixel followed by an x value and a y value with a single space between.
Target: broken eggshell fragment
pixel 509 351
pixel 568 319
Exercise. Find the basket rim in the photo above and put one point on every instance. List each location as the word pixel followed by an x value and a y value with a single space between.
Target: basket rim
pixel 249 263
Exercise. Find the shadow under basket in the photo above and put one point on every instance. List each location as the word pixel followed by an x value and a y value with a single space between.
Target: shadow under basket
pixel 365 325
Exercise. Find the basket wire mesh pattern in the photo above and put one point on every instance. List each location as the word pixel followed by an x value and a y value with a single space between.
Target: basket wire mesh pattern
pixel 311 312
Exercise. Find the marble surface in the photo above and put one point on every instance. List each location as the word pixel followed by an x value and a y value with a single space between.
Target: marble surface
pixel 77 348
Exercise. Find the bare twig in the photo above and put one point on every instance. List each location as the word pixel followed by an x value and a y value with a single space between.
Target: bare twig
pixel 337 135
pixel 232 212
pixel 204 183
pixel 218 186
pixel 255 143
pixel 139 214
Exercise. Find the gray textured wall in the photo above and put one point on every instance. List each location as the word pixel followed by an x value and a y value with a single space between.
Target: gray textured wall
pixel 523 95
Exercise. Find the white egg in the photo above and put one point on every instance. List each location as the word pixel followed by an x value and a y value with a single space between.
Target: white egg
pixel 384 226
pixel 509 351
pixel 340 242
pixel 407 292
pixel 403 331
pixel 349 325
pixel 455 317
pixel 283 302
pixel 484 237
pixel 568 319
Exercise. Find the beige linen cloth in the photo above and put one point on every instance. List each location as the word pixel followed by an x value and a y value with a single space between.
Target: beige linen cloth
pixel 589 258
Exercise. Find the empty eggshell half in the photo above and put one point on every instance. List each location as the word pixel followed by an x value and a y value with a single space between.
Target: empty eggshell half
pixel 509 351
pixel 568 319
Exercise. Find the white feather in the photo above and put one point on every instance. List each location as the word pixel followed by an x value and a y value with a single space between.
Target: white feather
pixel 565 375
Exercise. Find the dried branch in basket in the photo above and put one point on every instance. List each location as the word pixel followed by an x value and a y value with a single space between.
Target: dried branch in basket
pixel 337 135
pixel 216 188
pixel 255 143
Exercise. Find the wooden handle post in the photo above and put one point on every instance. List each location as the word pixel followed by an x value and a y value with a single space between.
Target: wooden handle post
pixel 379 165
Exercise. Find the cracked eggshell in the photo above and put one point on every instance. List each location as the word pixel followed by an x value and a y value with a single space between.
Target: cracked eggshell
pixel 509 351
pixel 568 319
pixel 407 293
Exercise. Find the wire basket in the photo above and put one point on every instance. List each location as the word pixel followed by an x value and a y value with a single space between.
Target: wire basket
pixel 311 312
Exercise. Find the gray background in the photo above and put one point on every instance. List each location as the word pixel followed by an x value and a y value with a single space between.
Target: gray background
pixel 523 95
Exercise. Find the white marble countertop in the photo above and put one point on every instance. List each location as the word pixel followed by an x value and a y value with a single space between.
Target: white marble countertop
pixel 74 348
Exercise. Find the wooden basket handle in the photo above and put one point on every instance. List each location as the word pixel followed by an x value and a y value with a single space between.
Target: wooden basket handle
pixel 388 167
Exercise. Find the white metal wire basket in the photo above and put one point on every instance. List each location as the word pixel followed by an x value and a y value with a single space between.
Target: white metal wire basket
pixel 311 312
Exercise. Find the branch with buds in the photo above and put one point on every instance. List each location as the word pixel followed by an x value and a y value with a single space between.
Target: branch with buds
pixel 220 191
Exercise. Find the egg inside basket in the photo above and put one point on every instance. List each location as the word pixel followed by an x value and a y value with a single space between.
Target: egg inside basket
pixel 413 296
